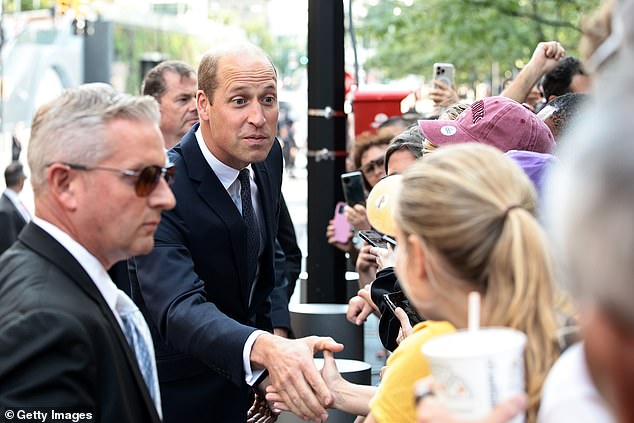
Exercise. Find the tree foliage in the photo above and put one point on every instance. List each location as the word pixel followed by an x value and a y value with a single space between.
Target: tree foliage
pixel 471 34
pixel 131 43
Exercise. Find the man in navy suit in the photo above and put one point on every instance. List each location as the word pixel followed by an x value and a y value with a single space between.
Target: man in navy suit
pixel 69 339
pixel 205 288
pixel 13 214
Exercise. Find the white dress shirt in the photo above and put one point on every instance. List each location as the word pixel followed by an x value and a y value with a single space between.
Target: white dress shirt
pixel 87 261
pixel 110 293
pixel 569 394
pixel 228 177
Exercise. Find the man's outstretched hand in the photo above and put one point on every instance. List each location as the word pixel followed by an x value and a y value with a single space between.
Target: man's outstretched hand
pixel 293 374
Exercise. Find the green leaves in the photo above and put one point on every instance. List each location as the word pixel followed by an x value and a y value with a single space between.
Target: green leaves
pixel 472 34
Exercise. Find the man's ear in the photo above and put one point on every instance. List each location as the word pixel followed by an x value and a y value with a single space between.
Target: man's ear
pixel 62 183
pixel 201 104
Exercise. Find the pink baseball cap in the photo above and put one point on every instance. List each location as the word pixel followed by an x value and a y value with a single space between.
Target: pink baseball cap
pixel 497 121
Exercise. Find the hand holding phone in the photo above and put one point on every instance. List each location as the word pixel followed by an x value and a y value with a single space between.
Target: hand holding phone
pixel 444 72
pixel 353 188
pixel 385 257
pixel 391 241
pixel 398 299
pixel 373 238
pixel 341 226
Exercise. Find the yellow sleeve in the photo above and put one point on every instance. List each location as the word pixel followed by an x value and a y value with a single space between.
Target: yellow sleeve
pixel 394 400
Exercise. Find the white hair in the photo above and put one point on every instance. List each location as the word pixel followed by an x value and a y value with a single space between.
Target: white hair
pixel 590 201
pixel 71 127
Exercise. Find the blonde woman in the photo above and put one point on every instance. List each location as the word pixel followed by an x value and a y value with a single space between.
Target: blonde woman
pixel 466 222
pixel 465 218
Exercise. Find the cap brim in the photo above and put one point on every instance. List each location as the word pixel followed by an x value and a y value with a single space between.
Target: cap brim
pixel 441 132
pixel 381 203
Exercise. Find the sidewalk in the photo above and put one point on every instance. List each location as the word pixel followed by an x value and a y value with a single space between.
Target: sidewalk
pixel 295 191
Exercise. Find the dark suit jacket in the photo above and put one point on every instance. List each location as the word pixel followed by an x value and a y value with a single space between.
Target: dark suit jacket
pixel 11 223
pixel 60 344
pixel 194 291
pixel 288 241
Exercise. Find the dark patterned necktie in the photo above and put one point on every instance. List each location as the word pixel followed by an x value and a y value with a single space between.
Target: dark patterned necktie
pixel 248 215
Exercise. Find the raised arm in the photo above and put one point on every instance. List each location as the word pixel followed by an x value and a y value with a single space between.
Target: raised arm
pixel 545 58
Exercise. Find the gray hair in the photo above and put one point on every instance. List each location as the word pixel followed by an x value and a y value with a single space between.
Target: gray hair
pixel 71 128
pixel 590 203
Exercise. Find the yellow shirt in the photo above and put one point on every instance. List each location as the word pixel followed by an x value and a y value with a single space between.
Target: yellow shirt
pixel 394 400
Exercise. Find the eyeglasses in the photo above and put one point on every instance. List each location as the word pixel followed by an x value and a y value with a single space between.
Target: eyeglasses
pixel 371 166
pixel 147 179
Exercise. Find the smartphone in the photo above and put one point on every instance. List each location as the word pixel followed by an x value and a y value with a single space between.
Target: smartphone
pixel 373 238
pixel 342 227
pixel 444 72
pixel 353 190
pixel 398 299
pixel 390 240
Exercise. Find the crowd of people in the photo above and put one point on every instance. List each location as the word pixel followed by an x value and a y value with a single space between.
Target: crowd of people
pixel 152 282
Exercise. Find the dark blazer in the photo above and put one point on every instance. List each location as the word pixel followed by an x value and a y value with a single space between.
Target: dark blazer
pixel 288 241
pixel 60 344
pixel 11 223
pixel 194 292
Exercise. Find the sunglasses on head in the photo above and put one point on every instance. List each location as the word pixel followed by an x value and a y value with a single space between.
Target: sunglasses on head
pixel 147 178
pixel 370 166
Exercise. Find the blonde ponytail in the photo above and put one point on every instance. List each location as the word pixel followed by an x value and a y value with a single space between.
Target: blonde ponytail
pixel 474 209
pixel 521 257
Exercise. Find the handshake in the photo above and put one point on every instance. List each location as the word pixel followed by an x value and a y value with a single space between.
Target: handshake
pixel 293 383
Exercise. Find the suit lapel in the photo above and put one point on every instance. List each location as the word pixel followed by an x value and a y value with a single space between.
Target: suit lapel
pixel 215 196
pixel 46 246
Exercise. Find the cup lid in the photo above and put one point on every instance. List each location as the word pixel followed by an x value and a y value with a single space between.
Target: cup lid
pixel 465 344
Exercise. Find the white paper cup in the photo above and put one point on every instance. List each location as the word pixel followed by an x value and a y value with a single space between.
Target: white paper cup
pixel 474 371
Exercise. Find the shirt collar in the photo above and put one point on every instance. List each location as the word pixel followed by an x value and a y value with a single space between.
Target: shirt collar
pixel 17 203
pixel 91 265
pixel 226 174
pixel 12 195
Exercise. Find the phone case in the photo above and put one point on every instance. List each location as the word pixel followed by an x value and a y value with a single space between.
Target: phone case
pixel 352 185
pixel 390 240
pixel 444 72
pixel 398 299
pixel 373 238
pixel 342 227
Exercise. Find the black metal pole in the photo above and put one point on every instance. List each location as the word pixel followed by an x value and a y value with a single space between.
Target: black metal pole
pixel 326 147
pixel 99 52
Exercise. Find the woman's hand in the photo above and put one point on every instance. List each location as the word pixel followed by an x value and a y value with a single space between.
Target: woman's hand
pixel 429 409
pixel 358 217
pixel 366 265
pixel 406 326
pixel 346 247
pixel 358 310
pixel 384 257
pixel 329 373
pixel 442 94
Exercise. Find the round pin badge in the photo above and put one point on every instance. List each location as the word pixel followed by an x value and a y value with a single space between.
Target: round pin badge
pixel 448 130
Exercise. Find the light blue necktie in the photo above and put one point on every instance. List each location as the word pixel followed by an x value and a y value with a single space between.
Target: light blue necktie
pixel 138 336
